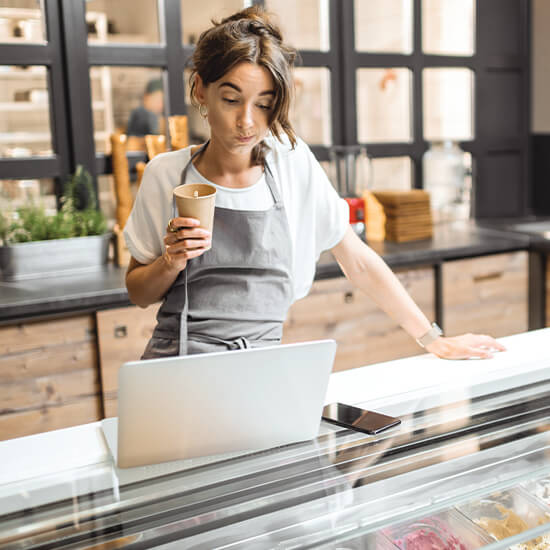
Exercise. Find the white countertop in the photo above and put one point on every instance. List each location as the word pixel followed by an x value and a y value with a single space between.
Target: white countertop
pixel 380 387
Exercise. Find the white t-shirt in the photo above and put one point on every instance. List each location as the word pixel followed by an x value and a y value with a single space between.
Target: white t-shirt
pixel 317 216
pixel 255 197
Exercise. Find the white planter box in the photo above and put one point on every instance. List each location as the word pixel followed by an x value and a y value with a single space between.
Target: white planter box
pixel 54 257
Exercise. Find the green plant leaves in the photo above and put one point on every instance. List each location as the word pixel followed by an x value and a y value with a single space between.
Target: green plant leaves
pixel 33 224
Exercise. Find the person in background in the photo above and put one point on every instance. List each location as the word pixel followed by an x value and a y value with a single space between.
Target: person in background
pixel 145 118
pixel 275 212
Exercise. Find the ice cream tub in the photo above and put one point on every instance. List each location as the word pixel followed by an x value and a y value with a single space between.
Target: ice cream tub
pixel 370 541
pixel 539 488
pixel 446 530
pixel 506 513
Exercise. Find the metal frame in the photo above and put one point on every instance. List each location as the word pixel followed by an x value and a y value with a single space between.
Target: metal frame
pixel 69 57
pixel 49 55
pixel 416 61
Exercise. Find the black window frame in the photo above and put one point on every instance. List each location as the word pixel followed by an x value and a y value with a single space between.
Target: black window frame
pixel 68 57
pixel 50 55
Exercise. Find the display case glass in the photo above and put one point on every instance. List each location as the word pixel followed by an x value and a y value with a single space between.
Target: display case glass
pixel 464 463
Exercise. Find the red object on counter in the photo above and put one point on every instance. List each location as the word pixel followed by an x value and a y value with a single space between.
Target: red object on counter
pixel 356 209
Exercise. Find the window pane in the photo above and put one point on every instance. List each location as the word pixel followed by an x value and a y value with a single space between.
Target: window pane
pixel 304 24
pixel 21 21
pixel 129 100
pixel 384 105
pixel 17 193
pixel 448 27
pixel 24 112
pixel 383 26
pixel 391 173
pixel 123 21
pixel 448 98
pixel 310 111
pixel 195 19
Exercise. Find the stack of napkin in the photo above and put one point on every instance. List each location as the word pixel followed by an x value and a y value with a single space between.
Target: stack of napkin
pixel 407 215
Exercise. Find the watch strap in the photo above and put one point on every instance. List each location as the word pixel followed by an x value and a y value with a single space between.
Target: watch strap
pixel 433 334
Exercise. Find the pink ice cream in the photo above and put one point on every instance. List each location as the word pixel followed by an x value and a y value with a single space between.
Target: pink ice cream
pixel 426 534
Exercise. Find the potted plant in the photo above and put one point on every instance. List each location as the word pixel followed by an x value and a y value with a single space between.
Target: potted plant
pixel 74 240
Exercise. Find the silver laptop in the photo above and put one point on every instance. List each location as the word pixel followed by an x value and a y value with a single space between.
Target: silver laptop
pixel 199 405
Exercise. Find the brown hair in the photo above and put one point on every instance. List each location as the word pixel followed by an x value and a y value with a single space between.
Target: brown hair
pixel 248 35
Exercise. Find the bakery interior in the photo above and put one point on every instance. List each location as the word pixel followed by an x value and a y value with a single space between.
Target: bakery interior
pixel 431 118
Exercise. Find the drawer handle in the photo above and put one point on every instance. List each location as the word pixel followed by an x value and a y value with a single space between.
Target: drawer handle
pixel 348 297
pixel 488 276
pixel 121 331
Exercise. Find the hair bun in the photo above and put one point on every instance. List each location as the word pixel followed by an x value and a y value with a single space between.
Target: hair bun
pixel 256 21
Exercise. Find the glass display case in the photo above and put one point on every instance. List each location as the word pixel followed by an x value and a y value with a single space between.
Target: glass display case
pixel 468 467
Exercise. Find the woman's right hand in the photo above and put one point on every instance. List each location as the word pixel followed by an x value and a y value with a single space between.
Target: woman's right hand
pixel 184 240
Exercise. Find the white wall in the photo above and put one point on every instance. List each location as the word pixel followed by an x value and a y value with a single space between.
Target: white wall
pixel 540 62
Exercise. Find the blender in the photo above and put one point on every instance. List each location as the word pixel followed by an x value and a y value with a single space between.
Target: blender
pixel 351 173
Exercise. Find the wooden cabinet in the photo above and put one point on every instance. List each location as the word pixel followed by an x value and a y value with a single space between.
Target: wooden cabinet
pixel 48 376
pixel 364 333
pixel 486 295
pixel 64 372
pixel 122 336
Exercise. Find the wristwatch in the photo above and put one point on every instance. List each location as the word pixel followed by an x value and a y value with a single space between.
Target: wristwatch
pixel 433 334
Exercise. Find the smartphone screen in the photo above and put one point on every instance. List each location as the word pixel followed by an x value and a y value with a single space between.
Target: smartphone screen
pixel 358 419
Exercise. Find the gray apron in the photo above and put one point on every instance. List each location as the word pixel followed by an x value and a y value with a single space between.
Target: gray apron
pixel 237 294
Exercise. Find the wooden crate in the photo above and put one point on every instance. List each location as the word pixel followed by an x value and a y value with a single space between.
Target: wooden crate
pixel 122 335
pixel 486 295
pixel 48 376
pixel 364 333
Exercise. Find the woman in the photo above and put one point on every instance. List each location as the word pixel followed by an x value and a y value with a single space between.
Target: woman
pixel 276 211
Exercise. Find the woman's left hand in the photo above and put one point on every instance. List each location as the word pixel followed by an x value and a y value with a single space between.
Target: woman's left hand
pixel 465 346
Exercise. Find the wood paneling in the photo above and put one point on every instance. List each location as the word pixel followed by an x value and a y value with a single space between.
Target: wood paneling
pixel 122 334
pixel 486 295
pixel 48 376
pixel 38 335
pixel 43 361
pixel 55 389
pixel 364 333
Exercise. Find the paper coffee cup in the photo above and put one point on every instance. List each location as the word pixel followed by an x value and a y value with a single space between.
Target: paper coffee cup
pixel 196 200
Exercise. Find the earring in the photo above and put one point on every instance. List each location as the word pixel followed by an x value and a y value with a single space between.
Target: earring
pixel 203 110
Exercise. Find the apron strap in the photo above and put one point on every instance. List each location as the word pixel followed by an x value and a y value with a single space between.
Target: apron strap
pixel 270 180
pixel 185 312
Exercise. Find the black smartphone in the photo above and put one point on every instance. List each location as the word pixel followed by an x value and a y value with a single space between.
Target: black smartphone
pixel 358 419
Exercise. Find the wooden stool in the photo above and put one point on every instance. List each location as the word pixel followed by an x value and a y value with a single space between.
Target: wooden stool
pixel 179 132
pixel 155 144
pixel 123 195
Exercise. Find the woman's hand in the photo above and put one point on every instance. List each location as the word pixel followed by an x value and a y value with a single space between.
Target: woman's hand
pixel 465 346
pixel 184 240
